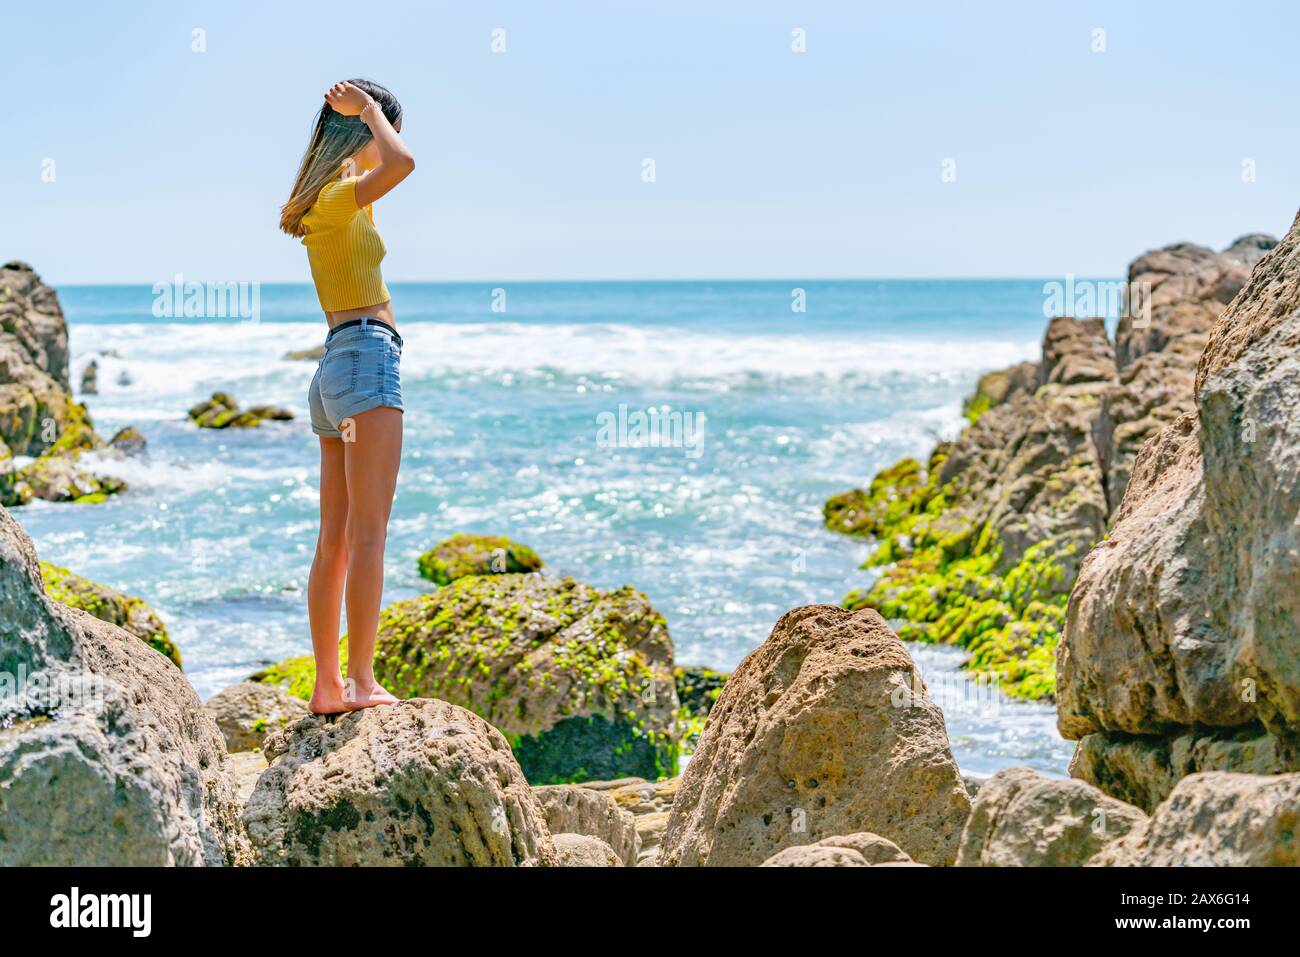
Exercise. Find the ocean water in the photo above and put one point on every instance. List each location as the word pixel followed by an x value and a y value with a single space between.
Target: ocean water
pixel 503 434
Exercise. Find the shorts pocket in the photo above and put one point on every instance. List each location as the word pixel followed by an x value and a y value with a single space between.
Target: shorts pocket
pixel 338 373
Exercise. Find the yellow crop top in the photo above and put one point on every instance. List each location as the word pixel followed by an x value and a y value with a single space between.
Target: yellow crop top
pixel 344 249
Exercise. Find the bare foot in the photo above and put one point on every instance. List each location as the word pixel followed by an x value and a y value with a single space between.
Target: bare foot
pixel 358 695
pixel 328 700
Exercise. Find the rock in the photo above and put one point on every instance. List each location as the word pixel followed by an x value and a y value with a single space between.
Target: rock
pixel 244 768
pixel 1217 819
pixel 247 711
pixel 823 730
pixel 579 679
pixel 851 850
pixel 463 555
pixel 579 850
pixel 1022 819
pixel 90 378
pixel 1179 650
pixel 61 478
pixel 981 547
pixel 222 412
pixel 648 802
pixel 698 688
pixel 108 604
pixel 314 354
pixel 128 441
pixel 572 809
pixel 106 755
pixel 421 782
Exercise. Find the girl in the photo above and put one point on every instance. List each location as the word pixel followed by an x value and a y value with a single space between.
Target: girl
pixel 355 156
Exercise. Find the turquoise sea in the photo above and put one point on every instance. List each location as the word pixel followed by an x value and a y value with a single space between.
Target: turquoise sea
pixel 502 435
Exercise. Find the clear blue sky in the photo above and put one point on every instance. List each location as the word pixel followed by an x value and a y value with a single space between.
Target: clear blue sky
pixel 769 163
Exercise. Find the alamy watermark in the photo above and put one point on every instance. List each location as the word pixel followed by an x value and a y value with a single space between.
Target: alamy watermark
pixel 1088 298
pixel 179 299
pixel 654 428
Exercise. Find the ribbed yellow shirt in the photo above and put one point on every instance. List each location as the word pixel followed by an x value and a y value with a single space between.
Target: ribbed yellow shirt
pixel 344 249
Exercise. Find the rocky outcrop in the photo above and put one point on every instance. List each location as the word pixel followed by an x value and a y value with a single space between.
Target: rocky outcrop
pixel 106 755
pixel 824 730
pixel 573 809
pixel 314 354
pixel 579 679
pixel 108 604
pixel 1179 651
pixel 463 555
pixel 421 782
pixel 580 850
pixel 90 378
pixel 223 412
pixel 1217 820
pixel 848 850
pixel 247 711
pixel 37 414
pixel 649 803
pixel 128 441
pixel 981 546
pixel 1022 819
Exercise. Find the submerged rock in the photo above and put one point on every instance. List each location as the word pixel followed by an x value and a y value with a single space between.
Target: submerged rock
pixel 824 730
pixel 1179 651
pixel 246 712
pixel 579 679
pixel 314 354
pixel 223 412
pixel 129 441
pixel 108 604
pixel 90 378
pixel 420 782
pixel 108 758
pixel 1022 819
pixel 463 555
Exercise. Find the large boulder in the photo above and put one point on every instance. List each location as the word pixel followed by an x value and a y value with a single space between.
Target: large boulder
pixel 1022 819
pixel 420 782
pixel 108 604
pixel 106 757
pixel 463 555
pixel 825 729
pixel 580 850
pixel 247 711
pixel 848 850
pixel 1217 819
pixel 573 809
pixel 580 680
pixel 1179 650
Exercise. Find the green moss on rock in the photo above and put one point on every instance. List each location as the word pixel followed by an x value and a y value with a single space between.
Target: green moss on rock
pixel 108 604
pixel 463 555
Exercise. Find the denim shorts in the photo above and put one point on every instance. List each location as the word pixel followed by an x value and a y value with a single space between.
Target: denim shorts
pixel 359 372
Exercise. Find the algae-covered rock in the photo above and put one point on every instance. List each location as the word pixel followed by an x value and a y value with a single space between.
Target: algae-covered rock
pixel 463 555
pixel 579 679
pixel 314 354
pixel 34 391
pixel 248 711
pixel 417 783
pixel 223 412
pixel 108 604
pixel 698 688
pixel 825 729
pixel 1022 819
pixel 128 441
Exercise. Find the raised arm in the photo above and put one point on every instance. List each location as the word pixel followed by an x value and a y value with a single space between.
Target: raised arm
pixel 395 160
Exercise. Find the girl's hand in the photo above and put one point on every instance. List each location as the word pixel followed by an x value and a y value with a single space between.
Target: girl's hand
pixel 347 99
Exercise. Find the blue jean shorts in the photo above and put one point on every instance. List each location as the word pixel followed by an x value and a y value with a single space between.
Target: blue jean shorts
pixel 359 372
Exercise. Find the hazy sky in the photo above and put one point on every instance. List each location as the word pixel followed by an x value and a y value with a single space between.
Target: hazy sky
pixel 769 163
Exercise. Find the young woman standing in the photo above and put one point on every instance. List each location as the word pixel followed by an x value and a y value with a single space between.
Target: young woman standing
pixel 355 156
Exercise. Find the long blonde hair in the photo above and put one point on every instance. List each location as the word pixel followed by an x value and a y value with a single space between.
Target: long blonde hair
pixel 335 141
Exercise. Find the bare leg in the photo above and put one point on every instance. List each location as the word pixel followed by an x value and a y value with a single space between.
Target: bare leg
pixel 371 460
pixel 325 586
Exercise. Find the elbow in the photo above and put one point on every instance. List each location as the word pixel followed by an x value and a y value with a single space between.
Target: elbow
pixel 407 164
